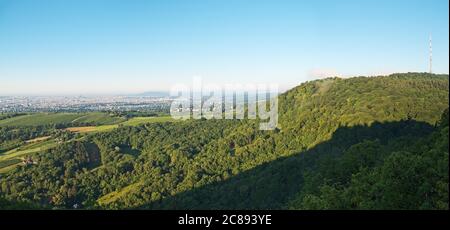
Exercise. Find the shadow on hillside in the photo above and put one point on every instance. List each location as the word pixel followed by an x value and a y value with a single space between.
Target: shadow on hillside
pixel 273 184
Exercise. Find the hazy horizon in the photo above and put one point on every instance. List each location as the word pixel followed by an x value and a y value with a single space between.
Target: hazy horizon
pixel 113 47
pixel 167 91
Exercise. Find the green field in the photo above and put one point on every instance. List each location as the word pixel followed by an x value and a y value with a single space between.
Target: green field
pixel 40 119
pixel 36 119
pixel 99 118
pixel 135 121
pixel 27 149
pixel 92 129
pixel 8 168
pixel 12 158
pixel 142 120
pixel 7 163
pixel 116 195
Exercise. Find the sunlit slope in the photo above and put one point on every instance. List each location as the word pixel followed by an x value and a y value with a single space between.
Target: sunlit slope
pixel 309 115
pixel 311 112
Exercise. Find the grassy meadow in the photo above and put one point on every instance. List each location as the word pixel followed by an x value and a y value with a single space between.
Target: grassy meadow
pixel 104 122
pixel 36 119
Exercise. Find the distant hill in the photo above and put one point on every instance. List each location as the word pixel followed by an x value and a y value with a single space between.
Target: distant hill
pixel 356 143
pixel 153 94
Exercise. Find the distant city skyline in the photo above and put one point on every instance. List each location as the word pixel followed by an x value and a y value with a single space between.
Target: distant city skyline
pixel 112 47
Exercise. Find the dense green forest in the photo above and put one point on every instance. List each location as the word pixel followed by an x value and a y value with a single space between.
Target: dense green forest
pixel 357 143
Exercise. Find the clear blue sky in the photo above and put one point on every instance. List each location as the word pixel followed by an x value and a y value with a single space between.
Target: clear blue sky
pixel 105 47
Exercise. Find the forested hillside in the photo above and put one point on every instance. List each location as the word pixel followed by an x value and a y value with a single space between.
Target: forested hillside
pixel 357 143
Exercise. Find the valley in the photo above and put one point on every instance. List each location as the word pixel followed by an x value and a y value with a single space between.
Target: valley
pixel 14 157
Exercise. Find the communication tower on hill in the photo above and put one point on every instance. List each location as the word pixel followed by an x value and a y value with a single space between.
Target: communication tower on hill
pixel 431 56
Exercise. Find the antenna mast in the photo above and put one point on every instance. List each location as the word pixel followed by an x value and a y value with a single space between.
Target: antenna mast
pixel 431 56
